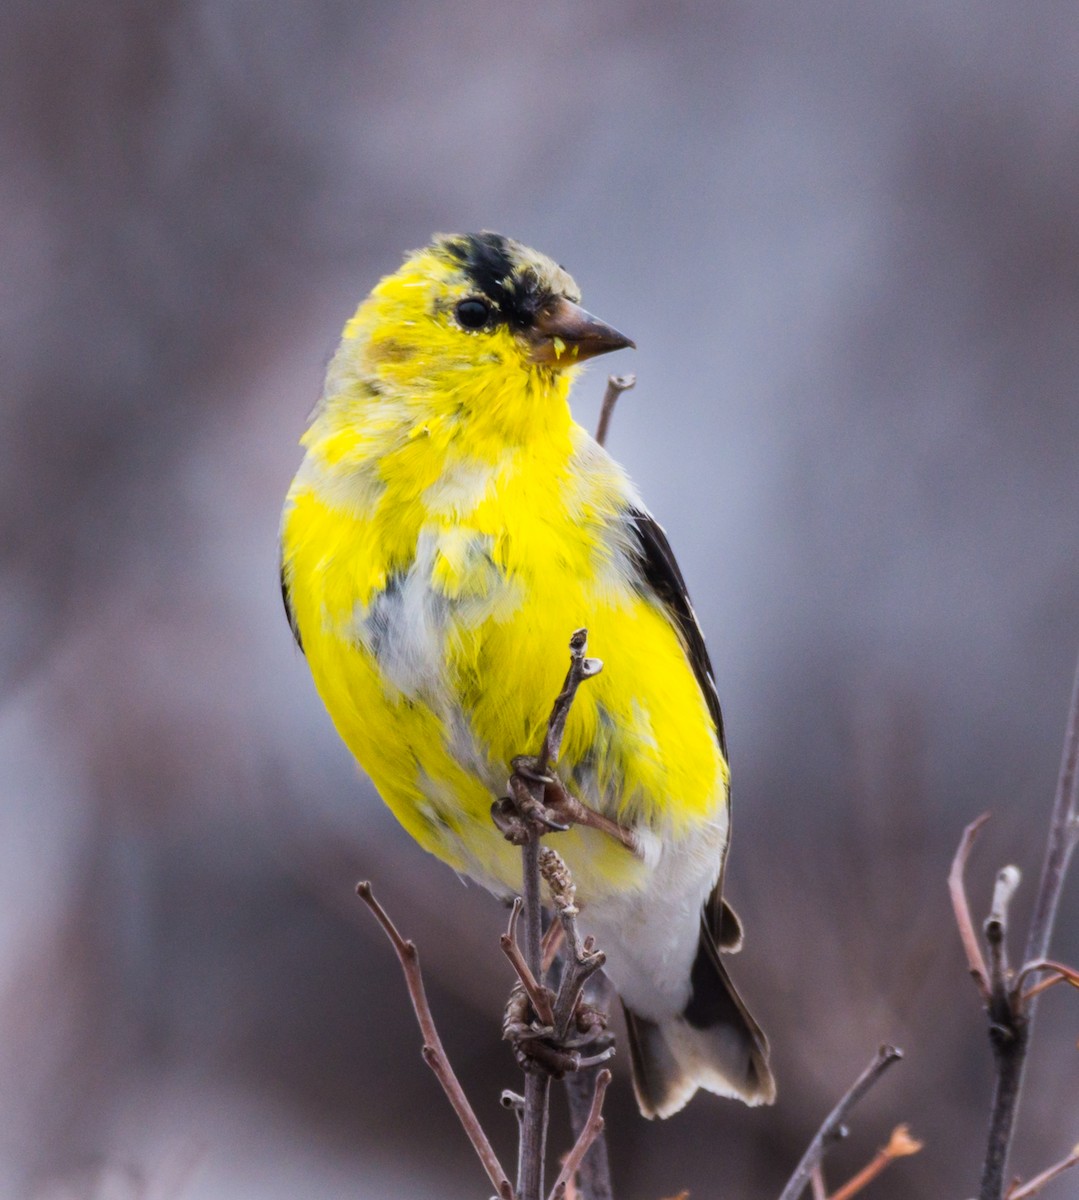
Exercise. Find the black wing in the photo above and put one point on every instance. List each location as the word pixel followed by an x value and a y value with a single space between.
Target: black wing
pixel 288 609
pixel 663 576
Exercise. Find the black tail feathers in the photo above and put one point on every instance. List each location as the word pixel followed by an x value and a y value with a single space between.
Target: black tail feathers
pixel 713 1044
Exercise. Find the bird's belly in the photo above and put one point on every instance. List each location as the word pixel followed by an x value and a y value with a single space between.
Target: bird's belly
pixel 650 935
pixel 439 678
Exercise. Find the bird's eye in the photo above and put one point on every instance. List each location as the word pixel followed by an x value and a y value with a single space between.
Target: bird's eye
pixel 472 313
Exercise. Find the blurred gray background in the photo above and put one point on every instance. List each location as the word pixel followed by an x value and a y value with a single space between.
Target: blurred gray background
pixel 846 239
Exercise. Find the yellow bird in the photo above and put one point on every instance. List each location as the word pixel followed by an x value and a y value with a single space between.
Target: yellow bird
pixel 449 527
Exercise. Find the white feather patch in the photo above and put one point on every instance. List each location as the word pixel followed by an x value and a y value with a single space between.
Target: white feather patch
pixel 650 936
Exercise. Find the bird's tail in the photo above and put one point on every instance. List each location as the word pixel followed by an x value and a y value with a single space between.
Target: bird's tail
pixel 713 1044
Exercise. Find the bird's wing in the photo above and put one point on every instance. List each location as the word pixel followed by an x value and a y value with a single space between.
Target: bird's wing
pixel 665 579
pixel 289 611
pixel 661 572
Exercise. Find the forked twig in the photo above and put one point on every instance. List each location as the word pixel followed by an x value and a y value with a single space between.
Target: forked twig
pixel 581 961
pixel 528 787
pixel 433 1053
pixel 593 1181
pixel 900 1144
pixel 883 1059
pixel 1011 1010
pixel 1059 973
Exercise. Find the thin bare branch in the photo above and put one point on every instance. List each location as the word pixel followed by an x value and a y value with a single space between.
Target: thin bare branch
pixel 1039 1181
pixel 1011 1031
pixel 433 1053
pixel 996 932
pixel 900 1144
pixel 1059 973
pixel 816 1184
pixel 533 1144
pixel 961 907
pixel 1063 834
pixel 593 1127
pixel 616 385
pixel 535 991
pixel 580 964
pixel 530 1163
pixel 594 1174
pixel 527 785
pixel 553 941
pixel 883 1059
pixel 580 669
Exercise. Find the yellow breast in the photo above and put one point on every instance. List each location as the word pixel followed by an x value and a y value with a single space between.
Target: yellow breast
pixel 435 571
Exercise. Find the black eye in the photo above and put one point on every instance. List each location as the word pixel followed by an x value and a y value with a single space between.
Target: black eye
pixel 472 313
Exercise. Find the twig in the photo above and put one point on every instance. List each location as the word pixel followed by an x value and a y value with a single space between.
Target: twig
pixel 535 991
pixel 594 1172
pixel 900 1144
pixel 580 669
pixel 533 1144
pixel 816 1184
pixel 433 1054
pixel 960 905
pixel 883 1059
pixel 581 963
pixel 1009 1035
pixel 528 785
pixel 539 795
pixel 578 969
pixel 1063 834
pixel 553 941
pixel 593 1127
pixel 1039 1181
pixel 1010 1038
pixel 996 935
pixel 616 385
pixel 1059 974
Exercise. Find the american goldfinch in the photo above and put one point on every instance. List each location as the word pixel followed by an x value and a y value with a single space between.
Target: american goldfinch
pixel 449 527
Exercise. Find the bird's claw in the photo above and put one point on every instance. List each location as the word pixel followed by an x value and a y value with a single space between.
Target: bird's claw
pixel 517 813
pixel 507 817
pixel 527 767
pixel 537 1047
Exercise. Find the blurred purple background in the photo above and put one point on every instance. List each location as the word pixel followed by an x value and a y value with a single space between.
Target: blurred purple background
pixel 846 239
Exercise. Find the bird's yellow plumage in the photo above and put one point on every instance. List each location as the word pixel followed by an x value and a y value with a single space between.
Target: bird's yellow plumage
pixel 449 527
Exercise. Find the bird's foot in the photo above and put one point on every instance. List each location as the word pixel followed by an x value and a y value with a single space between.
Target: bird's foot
pixel 558 809
pixel 537 1047
pixel 562 806
pixel 555 1031
pixel 524 810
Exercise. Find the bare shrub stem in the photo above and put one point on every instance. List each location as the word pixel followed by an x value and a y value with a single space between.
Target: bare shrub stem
pixel 832 1129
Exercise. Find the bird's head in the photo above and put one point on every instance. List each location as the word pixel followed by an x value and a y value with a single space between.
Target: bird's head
pixel 474 314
